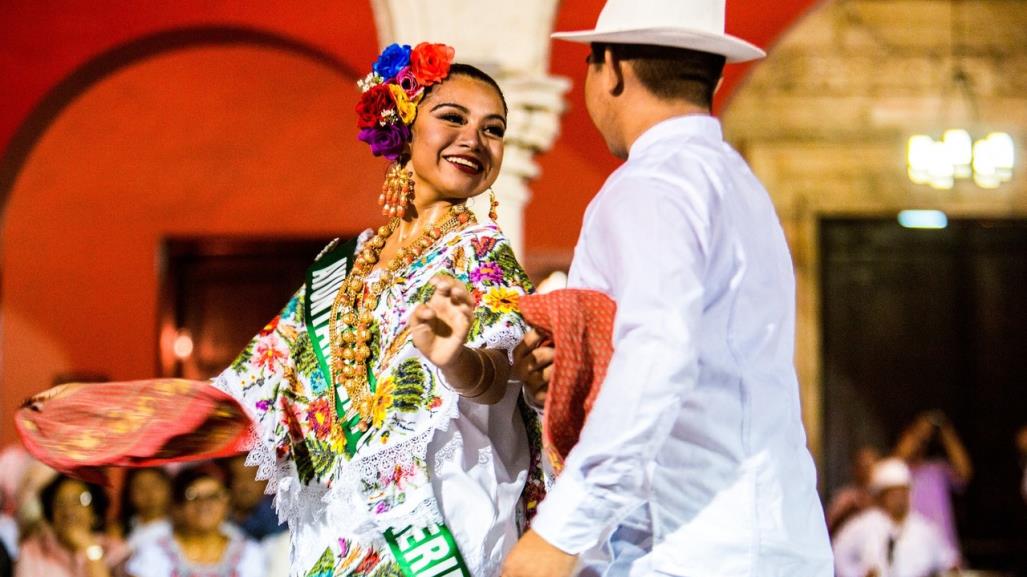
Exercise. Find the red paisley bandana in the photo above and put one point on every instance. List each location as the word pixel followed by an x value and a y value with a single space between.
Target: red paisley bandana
pixel 580 323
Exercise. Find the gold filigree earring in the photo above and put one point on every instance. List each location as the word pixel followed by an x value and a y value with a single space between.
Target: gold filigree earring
pixel 493 205
pixel 397 191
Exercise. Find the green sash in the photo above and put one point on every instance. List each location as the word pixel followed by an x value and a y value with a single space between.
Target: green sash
pixel 324 278
pixel 420 551
pixel 426 552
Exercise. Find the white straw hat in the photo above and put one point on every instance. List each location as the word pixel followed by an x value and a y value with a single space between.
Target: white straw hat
pixel 889 473
pixel 693 24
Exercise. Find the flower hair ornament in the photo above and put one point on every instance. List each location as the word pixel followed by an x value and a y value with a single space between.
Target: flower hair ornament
pixel 388 106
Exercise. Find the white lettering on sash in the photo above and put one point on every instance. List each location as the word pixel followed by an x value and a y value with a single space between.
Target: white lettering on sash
pixel 321 275
pixel 325 289
pixel 422 546
pixel 321 332
pixel 325 284
pixel 322 299
pixel 434 549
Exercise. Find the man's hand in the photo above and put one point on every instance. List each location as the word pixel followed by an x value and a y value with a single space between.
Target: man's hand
pixel 533 366
pixel 533 556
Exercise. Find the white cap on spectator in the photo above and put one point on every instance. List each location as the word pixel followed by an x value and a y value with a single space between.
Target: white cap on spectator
pixel 889 473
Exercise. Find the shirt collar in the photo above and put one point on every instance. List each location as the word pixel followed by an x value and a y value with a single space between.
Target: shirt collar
pixel 691 126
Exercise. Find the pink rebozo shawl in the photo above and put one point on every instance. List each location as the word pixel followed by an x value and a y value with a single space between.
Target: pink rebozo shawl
pixel 82 430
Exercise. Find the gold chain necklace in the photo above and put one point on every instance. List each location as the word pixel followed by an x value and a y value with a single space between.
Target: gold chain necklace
pixel 355 303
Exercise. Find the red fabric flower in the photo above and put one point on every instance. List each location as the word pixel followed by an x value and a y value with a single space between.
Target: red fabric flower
pixel 371 105
pixel 270 326
pixel 430 62
pixel 369 562
pixel 318 418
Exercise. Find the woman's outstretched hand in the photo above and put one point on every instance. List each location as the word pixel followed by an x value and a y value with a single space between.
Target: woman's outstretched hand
pixel 439 328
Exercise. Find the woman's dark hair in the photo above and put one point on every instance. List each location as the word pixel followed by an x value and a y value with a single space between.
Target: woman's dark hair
pixel 99 502
pixel 187 477
pixel 125 508
pixel 460 69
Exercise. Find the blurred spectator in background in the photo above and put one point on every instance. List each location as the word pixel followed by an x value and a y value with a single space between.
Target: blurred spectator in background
pixel 145 505
pixel 21 479
pixel 201 542
pixel 8 534
pixel 939 464
pixel 72 542
pixel 855 497
pixel 253 510
pixel 889 539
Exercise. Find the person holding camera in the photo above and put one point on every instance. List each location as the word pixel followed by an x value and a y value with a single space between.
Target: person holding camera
pixel 939 464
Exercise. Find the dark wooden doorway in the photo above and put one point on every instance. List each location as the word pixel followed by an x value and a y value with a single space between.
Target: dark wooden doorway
pixel 931 319
pixel 220 292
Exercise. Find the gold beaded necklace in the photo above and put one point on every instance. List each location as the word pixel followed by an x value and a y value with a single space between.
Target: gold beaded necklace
pixel 355 303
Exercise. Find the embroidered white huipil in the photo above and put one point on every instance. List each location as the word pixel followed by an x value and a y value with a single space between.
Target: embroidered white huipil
pixel 695 451
pixel 430 455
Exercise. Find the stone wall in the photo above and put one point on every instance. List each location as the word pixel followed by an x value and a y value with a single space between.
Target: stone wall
pixel 825 119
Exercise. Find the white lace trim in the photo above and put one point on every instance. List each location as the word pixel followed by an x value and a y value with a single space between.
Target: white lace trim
pixel 447 452
pixel 350 478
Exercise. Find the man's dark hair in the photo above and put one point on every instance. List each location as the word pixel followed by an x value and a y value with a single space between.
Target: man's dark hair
pixel 669 73
pixel 460 69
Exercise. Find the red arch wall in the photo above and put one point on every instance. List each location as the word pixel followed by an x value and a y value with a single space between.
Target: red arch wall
pixel 52 253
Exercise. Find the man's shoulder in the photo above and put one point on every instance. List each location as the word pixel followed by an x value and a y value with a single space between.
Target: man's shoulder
pixel 651 178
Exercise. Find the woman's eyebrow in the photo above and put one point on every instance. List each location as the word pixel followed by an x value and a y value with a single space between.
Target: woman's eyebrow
pixel 454 105
pixel 466 110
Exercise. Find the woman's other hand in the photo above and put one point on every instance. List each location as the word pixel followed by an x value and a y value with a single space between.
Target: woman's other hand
pixel 533 366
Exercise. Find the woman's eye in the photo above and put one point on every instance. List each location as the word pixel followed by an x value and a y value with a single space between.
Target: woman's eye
pixel 453 117
pixel 497 131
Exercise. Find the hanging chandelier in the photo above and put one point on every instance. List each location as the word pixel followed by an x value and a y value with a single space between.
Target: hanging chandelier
pixel 956 156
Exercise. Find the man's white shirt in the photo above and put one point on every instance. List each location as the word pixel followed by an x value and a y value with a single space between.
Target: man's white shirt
pixel 872 541
pixel 695 446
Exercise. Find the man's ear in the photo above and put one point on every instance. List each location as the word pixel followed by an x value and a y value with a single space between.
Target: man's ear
pixel 613 73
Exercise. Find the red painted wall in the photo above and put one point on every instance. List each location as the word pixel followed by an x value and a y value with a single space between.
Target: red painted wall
pixel 86 214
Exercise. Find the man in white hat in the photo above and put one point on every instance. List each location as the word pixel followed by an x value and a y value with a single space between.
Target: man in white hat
pixel 693 461
pixel 890 540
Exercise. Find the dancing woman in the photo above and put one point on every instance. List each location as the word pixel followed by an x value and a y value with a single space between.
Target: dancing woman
pixel 380 396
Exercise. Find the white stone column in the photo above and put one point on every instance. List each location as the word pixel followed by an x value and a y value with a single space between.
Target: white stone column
pixel 510 41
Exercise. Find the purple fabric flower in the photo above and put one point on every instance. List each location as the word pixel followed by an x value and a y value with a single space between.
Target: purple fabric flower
pixel 388 141
pixel 394 58
pixel 406 79
pixel 263 405
pixel 487 273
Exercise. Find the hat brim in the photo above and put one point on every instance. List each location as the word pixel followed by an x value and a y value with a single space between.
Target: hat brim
pixel 733 48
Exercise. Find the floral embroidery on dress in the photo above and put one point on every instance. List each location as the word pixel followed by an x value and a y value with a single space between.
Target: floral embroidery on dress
pixel 279 377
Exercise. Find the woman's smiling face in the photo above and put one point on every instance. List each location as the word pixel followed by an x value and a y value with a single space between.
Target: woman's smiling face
pixel 457 146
